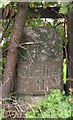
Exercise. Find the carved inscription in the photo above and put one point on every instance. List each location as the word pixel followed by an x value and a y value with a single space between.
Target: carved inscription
pixel 38 77
pixel 40 71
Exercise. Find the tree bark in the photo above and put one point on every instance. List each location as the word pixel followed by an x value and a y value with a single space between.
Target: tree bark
pixel 69 83
pixel 13 48
pixel 70 44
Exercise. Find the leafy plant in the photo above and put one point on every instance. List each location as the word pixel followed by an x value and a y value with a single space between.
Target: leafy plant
pixel 3 3
pixel 55 105
pixel 66 7
pixel 2 111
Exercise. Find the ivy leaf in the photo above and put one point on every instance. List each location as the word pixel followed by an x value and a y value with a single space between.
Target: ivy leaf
pixel 64 8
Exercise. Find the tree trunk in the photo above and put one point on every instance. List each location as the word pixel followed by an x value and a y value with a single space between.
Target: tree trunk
pixel 70 45
pixel 13 48
pixel 69 83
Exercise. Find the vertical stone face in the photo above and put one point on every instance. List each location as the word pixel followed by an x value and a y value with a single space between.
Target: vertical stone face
pixel 45 44
pixel 39 77
pixel 0 13
pixel 40 61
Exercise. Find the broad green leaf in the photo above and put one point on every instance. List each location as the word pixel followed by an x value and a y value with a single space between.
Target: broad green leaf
pixel 4 3
pixel 64 8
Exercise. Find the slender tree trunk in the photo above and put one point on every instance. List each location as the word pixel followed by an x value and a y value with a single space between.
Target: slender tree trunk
pixel 69 83
pixel 70 45
pixel 13 48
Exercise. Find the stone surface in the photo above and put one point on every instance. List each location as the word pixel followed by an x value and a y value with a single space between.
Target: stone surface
pixel 39 77
pixel 40 61
pixel 45 44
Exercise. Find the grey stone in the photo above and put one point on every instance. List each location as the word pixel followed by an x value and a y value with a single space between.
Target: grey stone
pixel 40 61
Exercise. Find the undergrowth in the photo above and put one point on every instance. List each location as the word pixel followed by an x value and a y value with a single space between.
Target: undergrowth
pixel 55 105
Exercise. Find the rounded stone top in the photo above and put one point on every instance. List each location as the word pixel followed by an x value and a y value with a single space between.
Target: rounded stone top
pixel 43 43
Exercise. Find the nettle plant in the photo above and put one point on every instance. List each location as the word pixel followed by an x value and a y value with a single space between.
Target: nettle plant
pixel 55 105
pixel 2 111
